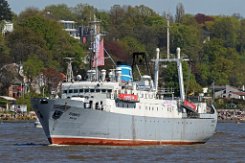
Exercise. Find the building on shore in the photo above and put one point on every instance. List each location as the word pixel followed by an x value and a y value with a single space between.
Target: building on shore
pixel 70 27
pixel 7 27
pixel 6 103
pixel 228 91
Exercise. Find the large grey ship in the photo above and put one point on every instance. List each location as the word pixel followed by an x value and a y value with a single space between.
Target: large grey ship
pixel 120 111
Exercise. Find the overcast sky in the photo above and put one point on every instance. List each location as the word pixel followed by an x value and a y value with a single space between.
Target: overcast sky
pixel 208 7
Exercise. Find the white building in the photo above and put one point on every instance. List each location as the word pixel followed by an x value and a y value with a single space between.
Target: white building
pixel 70 27
pixel 228 91
pixel 7 27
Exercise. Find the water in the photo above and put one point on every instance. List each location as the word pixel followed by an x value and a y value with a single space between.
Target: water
pixel 21 142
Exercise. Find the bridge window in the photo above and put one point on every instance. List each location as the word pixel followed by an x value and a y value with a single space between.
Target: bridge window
pixel 65 91
pixel 109 90
pixel 75 90
pixel 86 90
pixel 70 90
pixel 97 90
pixel 80 90
pixel 91 90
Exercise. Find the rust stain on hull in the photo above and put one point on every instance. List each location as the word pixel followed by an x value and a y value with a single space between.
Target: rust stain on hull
pixel 111 142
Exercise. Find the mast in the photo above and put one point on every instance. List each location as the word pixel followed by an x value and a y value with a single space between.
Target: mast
pixel 168 38
pixel 180 74
pixel 69 72
pixel 156 73
pixel 178 60
pixel 95 34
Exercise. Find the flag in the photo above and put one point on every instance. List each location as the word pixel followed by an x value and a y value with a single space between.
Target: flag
pixel 84 40
pixel 99 52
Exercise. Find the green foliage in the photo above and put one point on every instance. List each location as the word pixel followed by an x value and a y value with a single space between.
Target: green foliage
pixel 44 37
pixel 230 103
pixel 131 45
pixel 226 29
pixel 188 39
pixel 220 70
pixel 4 52
pixel 32 67
pixel 171 78
pixel 45 28
pixel 59 12
pixel 26 100
pixel 215 46
pixel 84 13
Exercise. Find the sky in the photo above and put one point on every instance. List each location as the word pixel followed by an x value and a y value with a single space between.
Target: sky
pixel 208 7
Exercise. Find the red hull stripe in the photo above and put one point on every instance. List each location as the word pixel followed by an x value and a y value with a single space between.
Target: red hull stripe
pixel 92 141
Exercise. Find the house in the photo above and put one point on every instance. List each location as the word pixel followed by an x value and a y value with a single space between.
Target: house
pixel 11 81
pixel 228 91
pixel 7 27
pixel 70 27
pixel 15 90
pixel 6 103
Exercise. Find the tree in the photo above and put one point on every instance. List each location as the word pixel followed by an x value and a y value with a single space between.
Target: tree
pixel 180 12
pixel 52 78
pixel 84 13
pixel 24 42
pixel 202 19
pixel 220 70
pixel 237 77
pixel 226 29
pixel 219 62
pixel 187 37
pixel 241 37
pixel 32 67
pixel 5 11
pixel 9 74
pixel 59 12
pixel 116 48
pixel 4 52
pixel 132 45
pixel 43 37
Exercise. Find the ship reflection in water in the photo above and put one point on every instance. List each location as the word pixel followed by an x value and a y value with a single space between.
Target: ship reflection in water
pixel 21 142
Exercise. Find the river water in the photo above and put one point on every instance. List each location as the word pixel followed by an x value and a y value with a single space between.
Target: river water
pixel 21 142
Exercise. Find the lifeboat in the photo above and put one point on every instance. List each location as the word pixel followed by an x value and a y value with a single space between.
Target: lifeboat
pixel 190 105
pixel 127 97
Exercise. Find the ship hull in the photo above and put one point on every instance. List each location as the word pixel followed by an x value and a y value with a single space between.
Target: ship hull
pixel 66 122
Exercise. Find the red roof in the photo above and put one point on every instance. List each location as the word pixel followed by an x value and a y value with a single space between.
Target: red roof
pixel 239 93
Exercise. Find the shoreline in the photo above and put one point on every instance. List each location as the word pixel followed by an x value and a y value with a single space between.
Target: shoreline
pixel 231 121
pixel 17 121
pixel 223 117
pixel 17 117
